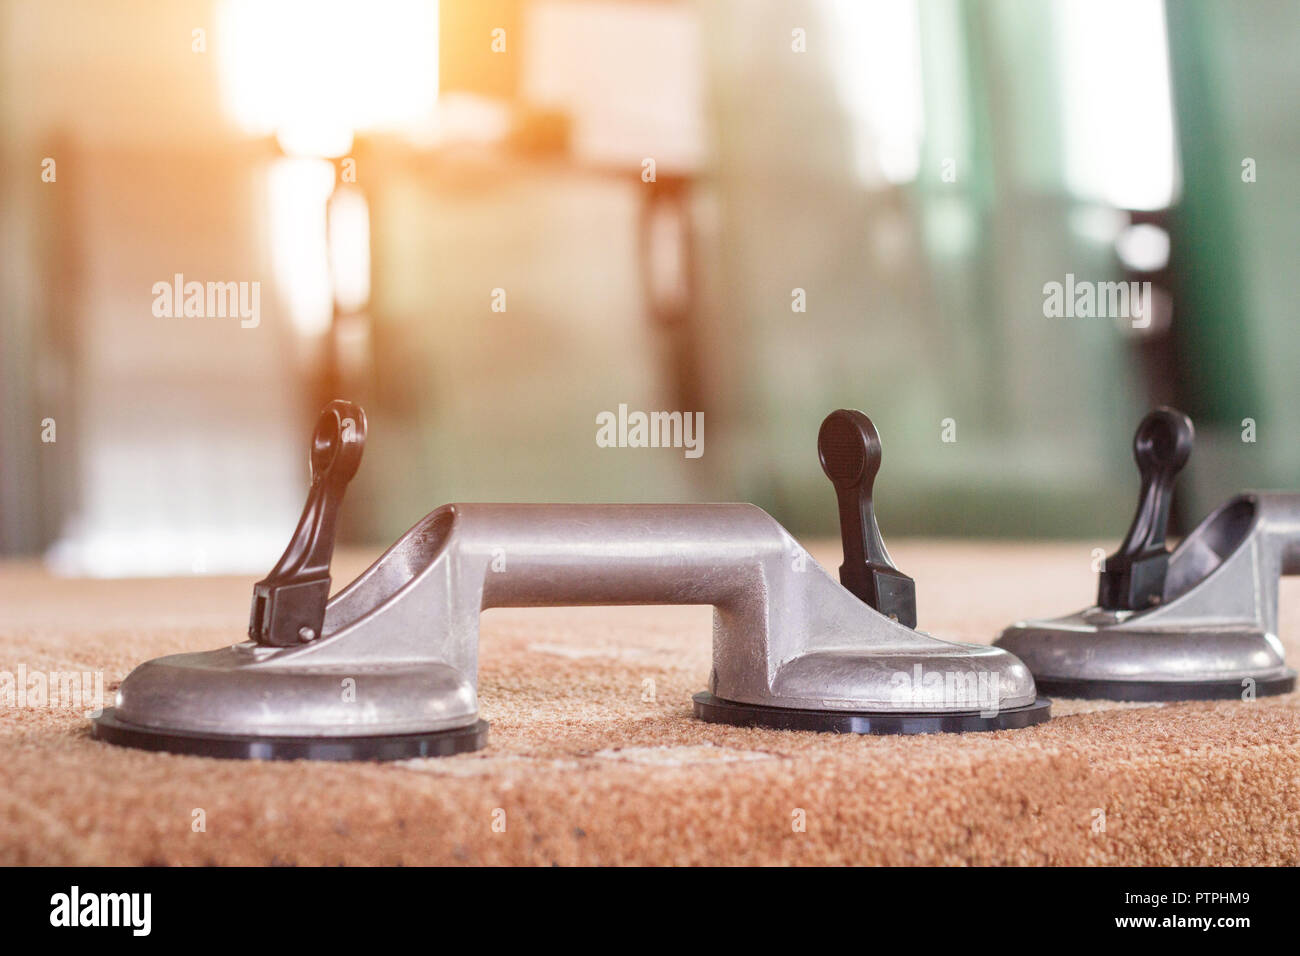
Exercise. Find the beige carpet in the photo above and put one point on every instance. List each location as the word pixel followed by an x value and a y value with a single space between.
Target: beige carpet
pixel 595 759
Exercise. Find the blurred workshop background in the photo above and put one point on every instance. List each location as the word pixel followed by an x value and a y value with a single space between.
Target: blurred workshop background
pixel 490 220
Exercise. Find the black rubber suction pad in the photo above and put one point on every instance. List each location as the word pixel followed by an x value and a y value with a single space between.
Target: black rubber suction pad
pixel 719 711
pixel 441 743
pixel 1159 691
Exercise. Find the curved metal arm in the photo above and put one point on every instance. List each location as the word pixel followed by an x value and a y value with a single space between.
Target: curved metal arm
pixel 1228 568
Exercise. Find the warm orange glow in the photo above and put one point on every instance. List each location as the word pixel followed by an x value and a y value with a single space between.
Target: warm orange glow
pixel 314 72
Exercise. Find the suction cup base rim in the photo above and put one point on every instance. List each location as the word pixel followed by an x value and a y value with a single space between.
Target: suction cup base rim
pixel 718 711
pixel 1163 691
pixel 440 743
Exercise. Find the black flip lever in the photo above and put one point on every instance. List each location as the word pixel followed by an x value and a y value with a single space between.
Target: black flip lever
pixel 849 448
pixel 289 603
pixel 1134 576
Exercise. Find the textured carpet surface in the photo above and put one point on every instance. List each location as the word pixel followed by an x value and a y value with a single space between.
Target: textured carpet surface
pixel 595 759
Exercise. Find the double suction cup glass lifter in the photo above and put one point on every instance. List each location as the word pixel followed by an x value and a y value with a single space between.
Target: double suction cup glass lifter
pixel 388 667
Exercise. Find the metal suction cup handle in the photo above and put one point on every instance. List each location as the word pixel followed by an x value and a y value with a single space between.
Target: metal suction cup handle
pixel 289 603
pixel 1134 576
pixel 849 448
pixel 785 633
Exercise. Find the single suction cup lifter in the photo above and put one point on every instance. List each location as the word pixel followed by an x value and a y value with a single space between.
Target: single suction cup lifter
pixel 1197 624
pixel 394 670
pixel 266 699
pixel 860 665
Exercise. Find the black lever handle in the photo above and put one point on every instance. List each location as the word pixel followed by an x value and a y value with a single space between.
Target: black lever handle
pixel 849 447
pixel 289 603
pixel 1134 576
